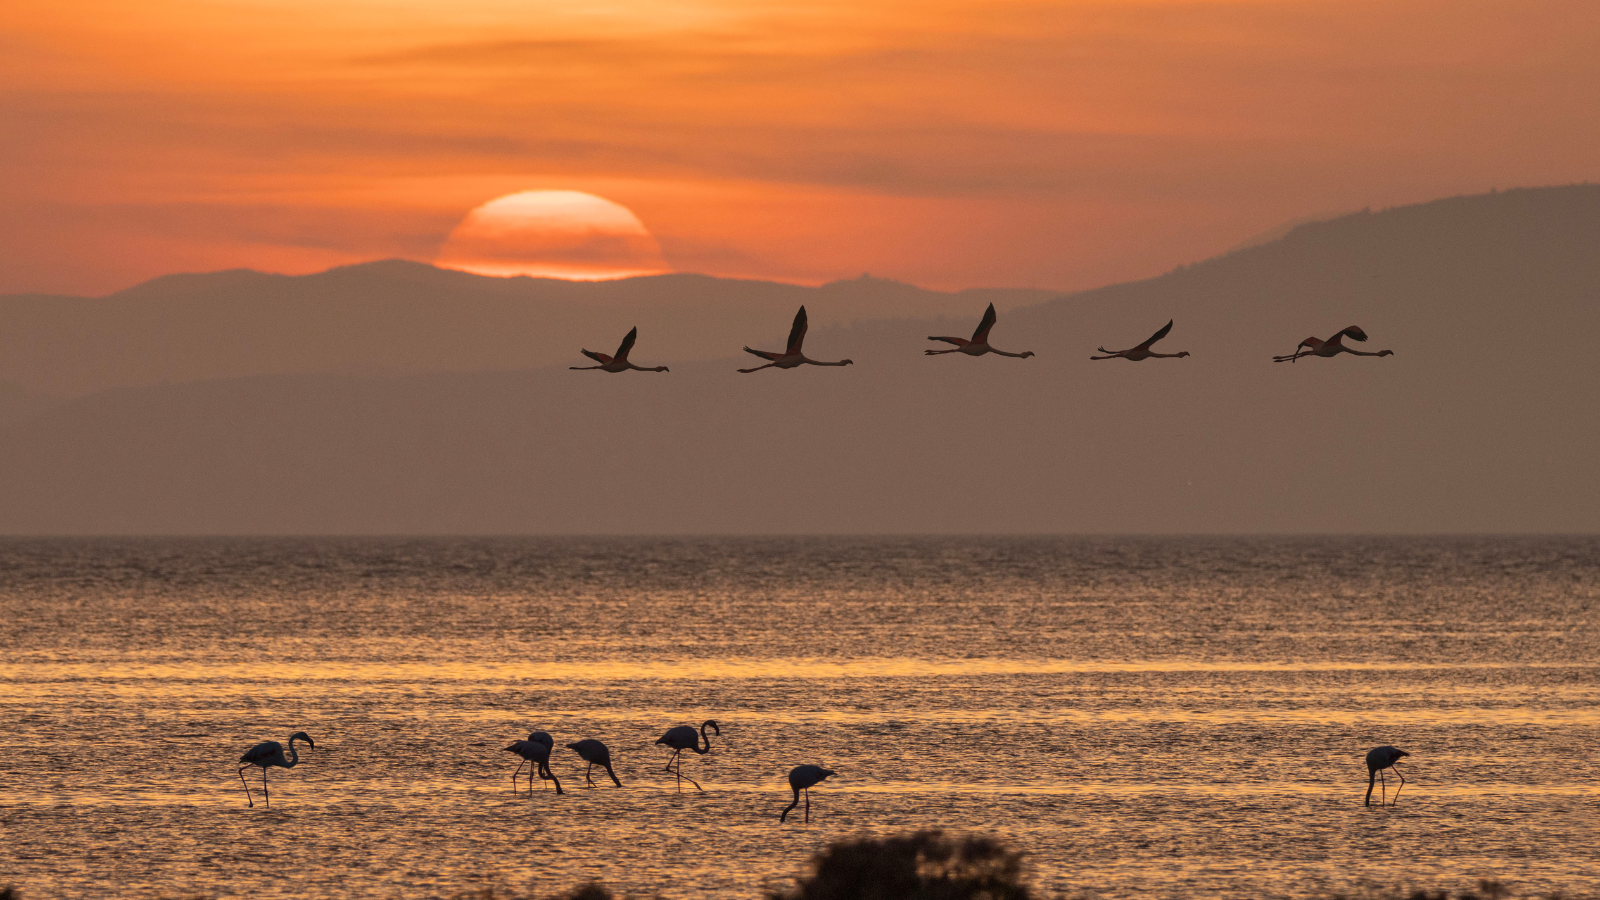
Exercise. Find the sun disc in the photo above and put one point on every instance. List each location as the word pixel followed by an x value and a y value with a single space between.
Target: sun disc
pixel 553 234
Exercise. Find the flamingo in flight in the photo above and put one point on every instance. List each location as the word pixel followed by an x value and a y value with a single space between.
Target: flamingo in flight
pixel 1332 346
pixel 618 363
pixel 683 737
pixel 802 778
pixel 1143 351
pixel 1378 759
pixel 267 754
pixel 595 754
pixel 979 345
pixel 536 749
pixel 792 357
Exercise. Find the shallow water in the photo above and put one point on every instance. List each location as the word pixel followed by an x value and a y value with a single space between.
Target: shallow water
pixel 1167 717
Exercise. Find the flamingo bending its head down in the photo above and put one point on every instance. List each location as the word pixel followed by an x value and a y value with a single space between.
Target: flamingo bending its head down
pixel 595 754
pixel 1332 346
pixel 683 737
pixel 1378 759
pixel 536 749
pixel 1143 351
pixel 979 344
pixel 791 356
pixel 270 753
pixel 618 363
pixel 802 778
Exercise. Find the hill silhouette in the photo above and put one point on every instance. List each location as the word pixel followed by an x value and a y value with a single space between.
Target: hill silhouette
pixel 1480 421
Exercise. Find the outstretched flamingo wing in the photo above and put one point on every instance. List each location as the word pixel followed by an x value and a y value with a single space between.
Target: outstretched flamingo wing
pixel 1156 337
pixel 1355 332
pixel 627 344
pixel 797 333
pixel 600 358
pixel 959 342
pixel 764 354
pixel 981 336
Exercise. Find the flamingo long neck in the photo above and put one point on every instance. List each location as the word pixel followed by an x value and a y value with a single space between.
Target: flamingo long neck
pixel 705 737
pixel 294 756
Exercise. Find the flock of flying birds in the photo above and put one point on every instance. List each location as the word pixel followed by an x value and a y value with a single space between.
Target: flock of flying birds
pixel 536 749
pixel 977 345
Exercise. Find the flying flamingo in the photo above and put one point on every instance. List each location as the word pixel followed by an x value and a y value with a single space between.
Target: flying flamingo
pixel 267 754
pixel 618 363
pixel 979 345
pixel 792 357
pixel 1378 759
pixel 683 737
pixel 801 778
pixel 1332 346
pixel 595 754
pixel 536 749
pixel 1143 351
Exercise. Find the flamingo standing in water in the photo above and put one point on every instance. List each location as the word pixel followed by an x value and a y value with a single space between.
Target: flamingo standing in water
pixel 1378 759
pixel 979 345
pixel 1143 351
pixel 595 754
pixel 618 363
pixel 683 737
pixel 1332 346
pixel 536 749
pixel 267 754
pixel 801 778
pixel 792 357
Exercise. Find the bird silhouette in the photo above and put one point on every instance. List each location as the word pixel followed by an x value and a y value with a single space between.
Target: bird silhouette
pixel 792 356
pixel 267 754
pixel 1378 759
pixel 1332 346
pixel 618 363
pixel 683 737
pixel 595 754
pixel 536 749
pixel 1143 351
pixel 979 345
pixel 801 778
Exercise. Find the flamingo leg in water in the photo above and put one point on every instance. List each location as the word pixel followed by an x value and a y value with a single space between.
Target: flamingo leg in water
pixel 246 787
pixel 808 806
pixel 1384 801
pixel 515 774
pixel 586 774
pixel 264 785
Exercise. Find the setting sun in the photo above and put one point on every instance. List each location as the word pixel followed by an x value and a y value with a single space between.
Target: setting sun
pixel 553 234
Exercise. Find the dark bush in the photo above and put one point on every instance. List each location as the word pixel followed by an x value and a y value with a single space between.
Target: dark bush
pixel 928 865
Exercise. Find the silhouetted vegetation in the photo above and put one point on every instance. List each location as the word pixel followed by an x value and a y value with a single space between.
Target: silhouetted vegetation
pixel 928 865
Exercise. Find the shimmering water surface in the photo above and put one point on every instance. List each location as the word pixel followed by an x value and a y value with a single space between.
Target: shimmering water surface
pixel 1145 717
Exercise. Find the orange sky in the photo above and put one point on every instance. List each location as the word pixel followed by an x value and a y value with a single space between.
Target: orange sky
pixel 949 144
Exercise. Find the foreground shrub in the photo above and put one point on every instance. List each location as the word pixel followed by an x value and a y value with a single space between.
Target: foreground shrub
pixel 928 865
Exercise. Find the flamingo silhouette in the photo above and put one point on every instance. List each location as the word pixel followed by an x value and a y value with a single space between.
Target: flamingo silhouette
pixel 979 345
pixel 801 778
pixel 683 737
pixel 618 363
pixel 1143 351
pixel 267 754
pixel 595 754
pixel 1378 759
pixel 792 357
pixel 536 749
pixel 1332 346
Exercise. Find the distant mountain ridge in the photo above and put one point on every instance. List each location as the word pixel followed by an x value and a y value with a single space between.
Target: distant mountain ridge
pixel 1480 422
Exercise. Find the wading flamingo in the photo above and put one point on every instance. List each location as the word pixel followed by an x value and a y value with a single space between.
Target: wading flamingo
pixel 1332 346
pixel 683 737
pixel 979 345
pixel 1143 351
pixel 618 363
pixel 792 357
pixel 536 749
pixel 595 754
pixel 1378 759
pixel 270 753
pixel 801 778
